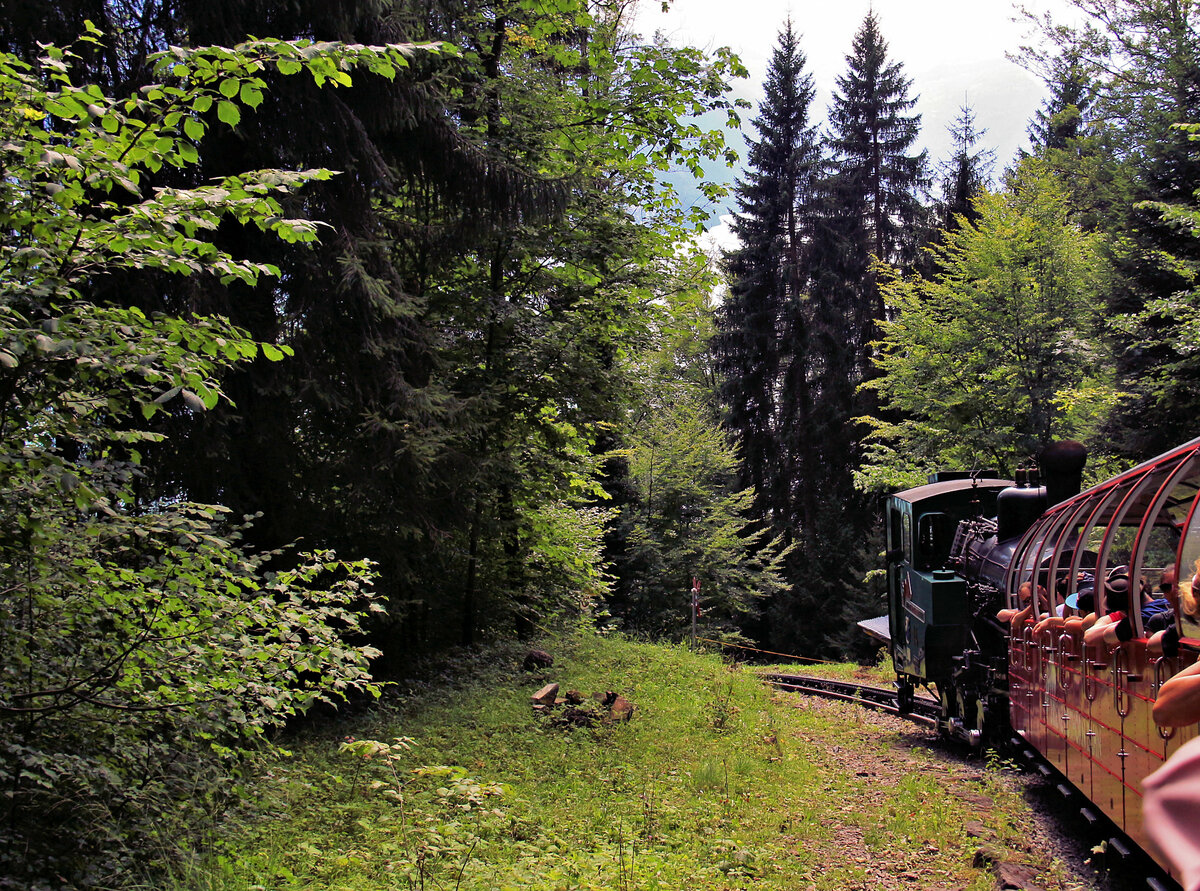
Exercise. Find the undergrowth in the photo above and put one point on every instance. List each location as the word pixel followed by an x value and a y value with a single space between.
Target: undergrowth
pixel 715 783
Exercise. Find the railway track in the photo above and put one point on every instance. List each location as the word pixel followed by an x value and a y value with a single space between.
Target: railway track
pixel 924 711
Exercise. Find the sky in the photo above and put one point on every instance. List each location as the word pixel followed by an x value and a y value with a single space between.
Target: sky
pixel 954 51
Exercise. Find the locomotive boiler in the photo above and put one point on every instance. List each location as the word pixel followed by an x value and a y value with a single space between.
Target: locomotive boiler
pixel 966 545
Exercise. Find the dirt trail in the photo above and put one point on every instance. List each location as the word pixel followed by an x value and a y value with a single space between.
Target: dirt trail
pixel 1023 835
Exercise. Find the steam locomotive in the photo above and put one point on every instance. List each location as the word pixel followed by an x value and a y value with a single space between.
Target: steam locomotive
pixel 960 548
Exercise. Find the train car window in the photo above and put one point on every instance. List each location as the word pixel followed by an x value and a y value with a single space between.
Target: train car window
pixel 1021 567
pixel 1102 533
pixel 1082 571
pixel 1139 494
pixel 1073 564
pixel 1061 535
pixel 1121 539
pixel 906 542
pixel 1038 557
pixel 895 543
pixel 1160 532
pixel 1189 577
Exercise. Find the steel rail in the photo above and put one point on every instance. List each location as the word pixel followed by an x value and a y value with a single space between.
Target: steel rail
pixel 924 711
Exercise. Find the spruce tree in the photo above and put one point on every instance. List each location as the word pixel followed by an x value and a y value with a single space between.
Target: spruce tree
pixel 966 174
pixel 1063 114
pixel 866 206
pixel 764 338
pixel 786 347
pixel 761 332
pixel 879 179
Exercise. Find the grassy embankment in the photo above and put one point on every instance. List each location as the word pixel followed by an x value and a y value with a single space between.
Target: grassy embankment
pixel 716 783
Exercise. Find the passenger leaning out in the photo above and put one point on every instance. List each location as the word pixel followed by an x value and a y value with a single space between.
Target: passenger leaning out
pixel 1159 611
pixel 1116 625
pixel 1016 618
pixel 1162 627
pixel 1082 604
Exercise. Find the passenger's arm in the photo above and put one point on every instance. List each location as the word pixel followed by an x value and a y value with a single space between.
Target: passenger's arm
pixel 1080 624
pixel 1178 700
pixel 1019 619
pixel 1164 643
pixel 1119 630
pixel 1050 622
pixel 1094 635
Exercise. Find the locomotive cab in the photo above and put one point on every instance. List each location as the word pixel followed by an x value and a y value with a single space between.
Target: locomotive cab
pixel 932 615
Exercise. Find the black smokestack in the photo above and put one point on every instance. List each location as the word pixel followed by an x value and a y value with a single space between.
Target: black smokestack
pixel 1062 469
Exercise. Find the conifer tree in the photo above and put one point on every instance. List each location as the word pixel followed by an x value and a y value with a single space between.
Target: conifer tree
pixel 1063 114
pixel 867 205
pixel 766 326
pixel 789 346
pixel 967 173
pixel 1119 142
pixel 1157 260
pixel 878 179
pixel 761 329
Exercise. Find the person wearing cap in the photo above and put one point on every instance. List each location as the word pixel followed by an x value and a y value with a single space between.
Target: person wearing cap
pixel 1082 603
pixel 1114 627
pixel 1119 625
pixel 1055 615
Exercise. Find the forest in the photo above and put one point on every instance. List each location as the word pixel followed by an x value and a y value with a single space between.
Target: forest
pixel 338 336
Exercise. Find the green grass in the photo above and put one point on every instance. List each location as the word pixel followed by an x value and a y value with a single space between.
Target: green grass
pixel 878 675
pixel 716 783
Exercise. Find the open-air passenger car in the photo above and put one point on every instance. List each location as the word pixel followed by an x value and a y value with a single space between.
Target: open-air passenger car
pixel 1087 709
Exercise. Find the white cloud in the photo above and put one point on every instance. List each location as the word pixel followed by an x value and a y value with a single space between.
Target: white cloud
pixel 719 238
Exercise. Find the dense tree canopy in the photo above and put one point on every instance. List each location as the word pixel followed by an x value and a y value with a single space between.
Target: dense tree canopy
pixel 796 331
pixel 879 178
pixel 145 652
pixel 429 385
pixel 762 329
pixel 999 352
pixel 1124 78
